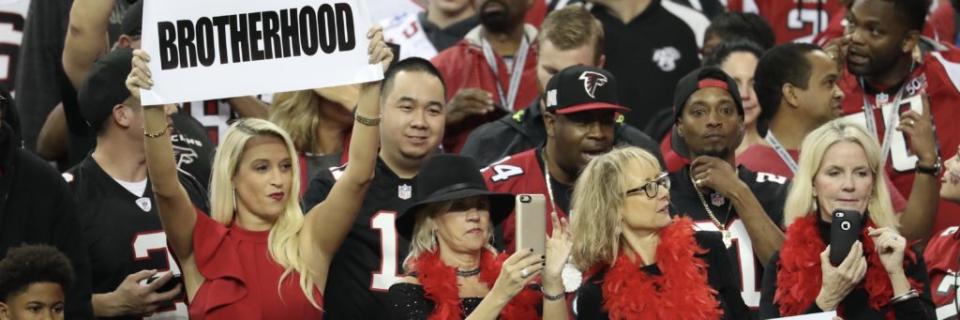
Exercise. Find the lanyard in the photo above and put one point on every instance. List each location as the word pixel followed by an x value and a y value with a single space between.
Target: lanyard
pixel 782 152
pixel 516 71
pixel 872 121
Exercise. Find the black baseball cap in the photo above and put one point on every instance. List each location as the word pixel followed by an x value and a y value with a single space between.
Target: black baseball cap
pixel 582 88
pixel 705 77
pixel 132 20
pixel 105 87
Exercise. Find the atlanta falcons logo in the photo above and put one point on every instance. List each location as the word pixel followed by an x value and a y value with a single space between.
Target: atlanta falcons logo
pixel 592 81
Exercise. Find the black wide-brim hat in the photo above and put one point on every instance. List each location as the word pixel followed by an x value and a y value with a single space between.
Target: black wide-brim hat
pixel 447 177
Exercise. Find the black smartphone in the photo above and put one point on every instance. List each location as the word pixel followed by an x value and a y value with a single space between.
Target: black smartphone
pixel 177 279
pixel 844 231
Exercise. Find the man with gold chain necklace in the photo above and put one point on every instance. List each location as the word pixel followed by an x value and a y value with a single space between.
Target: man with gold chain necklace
pixel 745 206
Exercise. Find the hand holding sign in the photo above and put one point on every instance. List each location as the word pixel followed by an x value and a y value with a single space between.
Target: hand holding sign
pixel 378 51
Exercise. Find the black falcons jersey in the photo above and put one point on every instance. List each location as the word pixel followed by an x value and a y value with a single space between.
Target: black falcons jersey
pixel 122 231
pixel 771 192
pixel 370 259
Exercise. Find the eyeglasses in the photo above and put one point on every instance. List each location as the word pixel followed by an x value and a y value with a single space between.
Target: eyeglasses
pixel 653 187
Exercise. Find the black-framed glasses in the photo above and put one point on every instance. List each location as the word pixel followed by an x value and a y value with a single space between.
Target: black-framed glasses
pixel 652 187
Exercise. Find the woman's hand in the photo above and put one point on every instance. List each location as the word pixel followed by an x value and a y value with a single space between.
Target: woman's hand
pixel 890 247
pixel 518 270
pixel 379 51
pixel 558 250
pixel 140 76
pixel 838 281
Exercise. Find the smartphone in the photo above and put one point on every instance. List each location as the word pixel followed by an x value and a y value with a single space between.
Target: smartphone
pixel 177 279
pixel 531 211
pixel 844 231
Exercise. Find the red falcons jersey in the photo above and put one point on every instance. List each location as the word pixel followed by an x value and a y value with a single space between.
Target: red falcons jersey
pixel 792 20
pixel 516 174
pixel 939 74
pixel 941 257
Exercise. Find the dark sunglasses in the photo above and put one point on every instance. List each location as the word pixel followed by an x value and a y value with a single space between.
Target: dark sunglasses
pixel 651 188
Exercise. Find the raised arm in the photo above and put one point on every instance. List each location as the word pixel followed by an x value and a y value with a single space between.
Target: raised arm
pixel 916 222
pixel 176 211
pixel 328 222
pixel 86 37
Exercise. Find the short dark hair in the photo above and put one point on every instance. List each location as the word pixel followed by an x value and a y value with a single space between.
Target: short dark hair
pixel 915 12
pixel 725 49
pixel 31 264
pixel 738 25
pixel 786 63
pixel 411 64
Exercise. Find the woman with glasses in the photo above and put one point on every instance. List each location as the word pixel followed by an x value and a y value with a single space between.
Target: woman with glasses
pixel 651 266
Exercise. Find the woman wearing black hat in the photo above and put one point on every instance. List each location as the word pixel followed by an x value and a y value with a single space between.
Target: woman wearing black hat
pixel 454 272
pixel 639 262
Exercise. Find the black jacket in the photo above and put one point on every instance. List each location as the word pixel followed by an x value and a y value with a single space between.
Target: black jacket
pixel 36 207
pixel 524 130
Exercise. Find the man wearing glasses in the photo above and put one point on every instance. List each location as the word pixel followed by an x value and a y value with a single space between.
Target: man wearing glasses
pixel 746 207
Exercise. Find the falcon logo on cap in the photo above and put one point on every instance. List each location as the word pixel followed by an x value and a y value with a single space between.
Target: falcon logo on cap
pixel 592 81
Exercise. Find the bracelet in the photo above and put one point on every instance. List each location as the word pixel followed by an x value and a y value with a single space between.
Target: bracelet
pixel 550 297
pixel 367 121
pixel 904 297
pixel 158 134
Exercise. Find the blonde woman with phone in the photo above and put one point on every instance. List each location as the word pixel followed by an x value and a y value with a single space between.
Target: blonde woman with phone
pixel 453 272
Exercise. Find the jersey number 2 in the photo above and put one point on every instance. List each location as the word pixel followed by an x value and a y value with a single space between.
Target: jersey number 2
pixel 387 276
pixel 143 245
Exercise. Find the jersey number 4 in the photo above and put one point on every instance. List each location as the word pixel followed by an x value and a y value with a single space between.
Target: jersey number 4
pixel 505 171
pixel 387 275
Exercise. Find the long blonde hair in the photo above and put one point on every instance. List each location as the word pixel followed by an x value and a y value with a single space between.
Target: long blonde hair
pixel 598 198
pixel 424 238
pixel 282 242
pixel 298 112
pixel 801 200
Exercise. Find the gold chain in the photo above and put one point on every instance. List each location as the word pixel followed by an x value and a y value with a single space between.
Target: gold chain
pixel 706 206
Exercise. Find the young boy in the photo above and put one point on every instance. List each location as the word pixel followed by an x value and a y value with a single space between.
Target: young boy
pixel 33 279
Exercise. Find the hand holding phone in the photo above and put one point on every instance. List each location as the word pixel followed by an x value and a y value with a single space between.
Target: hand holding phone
pixel 845 229
pixel 531 211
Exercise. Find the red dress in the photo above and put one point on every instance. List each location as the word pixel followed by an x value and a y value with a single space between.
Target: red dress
pixel 241 279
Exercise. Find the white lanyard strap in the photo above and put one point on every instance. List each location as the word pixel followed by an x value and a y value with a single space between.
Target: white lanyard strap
pixel 782 152
pixel 872 126
pixel 516 71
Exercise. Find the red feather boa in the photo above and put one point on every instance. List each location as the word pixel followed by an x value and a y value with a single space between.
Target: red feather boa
pixel 440 283
pixel 681 292
pixel 799 276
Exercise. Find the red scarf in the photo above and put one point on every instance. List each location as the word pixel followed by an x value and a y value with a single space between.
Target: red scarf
pixel 440 283
pixel 799 276
pixel 681 292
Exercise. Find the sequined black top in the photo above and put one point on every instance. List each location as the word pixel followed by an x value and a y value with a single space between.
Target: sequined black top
pixel 408 301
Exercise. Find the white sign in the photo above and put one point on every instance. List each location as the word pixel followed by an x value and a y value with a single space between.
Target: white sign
pixel 216 49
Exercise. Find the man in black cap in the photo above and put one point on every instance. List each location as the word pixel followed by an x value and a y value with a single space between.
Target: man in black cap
pixel 126 243
pixel 52 221
pixel 746 207
pixel 580 119
pixel 369 259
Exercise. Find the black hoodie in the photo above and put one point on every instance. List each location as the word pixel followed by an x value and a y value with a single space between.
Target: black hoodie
pixel 36 207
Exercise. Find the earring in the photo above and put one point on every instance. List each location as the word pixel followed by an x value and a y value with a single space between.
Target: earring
pixel 234 200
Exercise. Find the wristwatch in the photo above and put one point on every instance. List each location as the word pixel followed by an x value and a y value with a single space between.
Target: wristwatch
pixel 933 171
